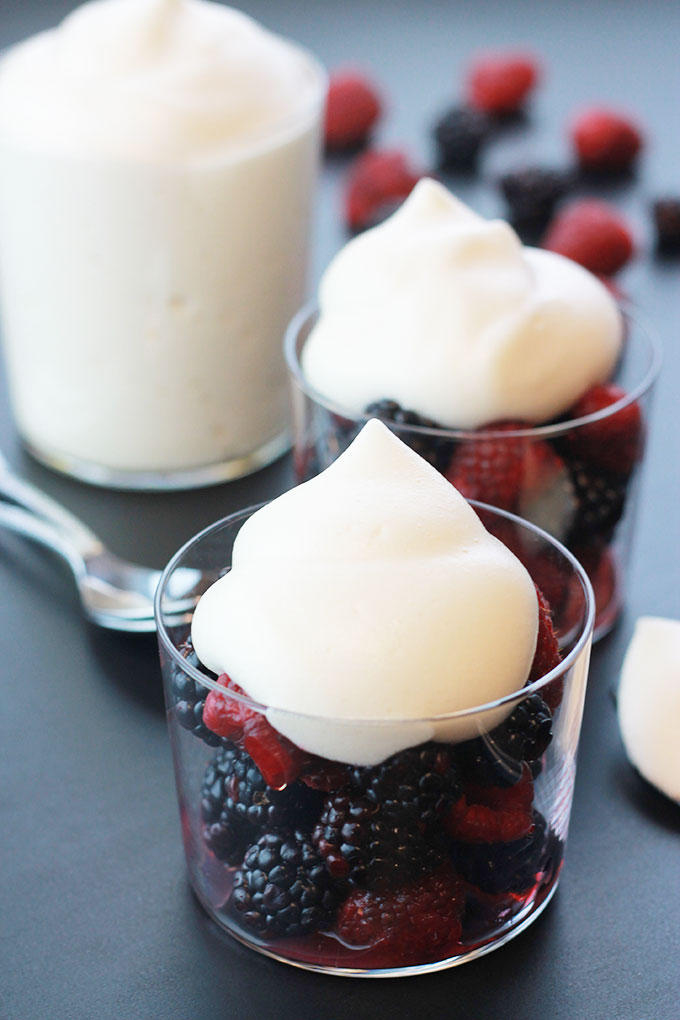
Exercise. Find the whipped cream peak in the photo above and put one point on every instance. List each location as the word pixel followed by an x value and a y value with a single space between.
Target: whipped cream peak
pixel 450 315
pixel 371 592
pixel 156 80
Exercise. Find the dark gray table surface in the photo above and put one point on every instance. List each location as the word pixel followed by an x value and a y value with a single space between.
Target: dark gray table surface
pixel 97 919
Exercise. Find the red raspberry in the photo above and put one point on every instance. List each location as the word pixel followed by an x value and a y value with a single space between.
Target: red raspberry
pixel 612 443
pixel 376 180
pixel 352 108
pixel 412 923
pixel 547 655
pixel 279 760
pixel 493 814
pixel 498 469
pixel 593 234
pixel 605 140
pixel 500 82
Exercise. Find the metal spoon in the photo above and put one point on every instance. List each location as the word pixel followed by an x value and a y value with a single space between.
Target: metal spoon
pixel 114 593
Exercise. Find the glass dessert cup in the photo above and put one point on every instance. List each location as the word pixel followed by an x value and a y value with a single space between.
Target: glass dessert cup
pixel 588 506
pixel 303 895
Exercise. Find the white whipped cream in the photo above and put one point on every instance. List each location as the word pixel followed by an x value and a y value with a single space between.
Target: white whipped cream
pixel 154 79
pixel 158 161
pixel 370 592
pixel 452 317
pixel 649 702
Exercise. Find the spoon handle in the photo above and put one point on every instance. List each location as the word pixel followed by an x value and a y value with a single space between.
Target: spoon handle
pixel 76 534
pixel 27 524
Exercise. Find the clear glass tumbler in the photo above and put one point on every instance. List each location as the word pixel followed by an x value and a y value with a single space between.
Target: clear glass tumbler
pixel 437 855
pixel 584 491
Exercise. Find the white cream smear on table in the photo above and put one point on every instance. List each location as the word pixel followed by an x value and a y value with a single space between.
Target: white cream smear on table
pixel 372 591
pixel 452 317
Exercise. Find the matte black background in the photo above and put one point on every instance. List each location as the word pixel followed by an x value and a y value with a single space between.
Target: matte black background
pixel 97 917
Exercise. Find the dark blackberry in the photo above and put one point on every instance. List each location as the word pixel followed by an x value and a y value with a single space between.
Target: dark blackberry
pixel 415 786
pixel 600 500
pixel 666 212
pixel 283 886
pixel 436 452
pixel 227 838
pixel 532 194
pixel 368 846
pixel 189 698
pixel 495 759
pixel 459 135
pixel 508 867
pixel 234 793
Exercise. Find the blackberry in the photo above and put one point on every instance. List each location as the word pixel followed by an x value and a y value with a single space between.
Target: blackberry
pixel 368 846
pixel 495 759
pixel 283 887
pixel 600 501
pixel 532 194
pixel 189 698
pixel 227 838
pixel 459 135
pixel 415 786
pixel 234 794
pixel 508 867
pixel 666 212
pixel 436 452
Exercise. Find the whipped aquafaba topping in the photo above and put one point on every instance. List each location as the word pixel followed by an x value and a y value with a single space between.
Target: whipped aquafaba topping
pixel 371 592
pixel 155 79
pixel 451 316
pixel 649 702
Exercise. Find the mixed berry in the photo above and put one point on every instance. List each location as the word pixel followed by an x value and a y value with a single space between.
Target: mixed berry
pixel 397 861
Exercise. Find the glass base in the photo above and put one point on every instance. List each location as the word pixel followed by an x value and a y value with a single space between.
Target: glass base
pixel 154 481
pixel 517 924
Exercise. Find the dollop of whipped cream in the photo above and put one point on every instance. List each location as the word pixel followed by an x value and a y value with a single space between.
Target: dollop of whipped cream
pixel 451 316
pixel 155 79
pixel 649 702
pixel 371 592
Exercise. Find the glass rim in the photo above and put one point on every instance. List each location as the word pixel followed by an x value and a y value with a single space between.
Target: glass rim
pixel 309 311
pixel 563 667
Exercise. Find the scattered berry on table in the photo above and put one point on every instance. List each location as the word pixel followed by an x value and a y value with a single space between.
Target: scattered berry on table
pixel 613 442
pixel 412 923
pixel 500 83
pixel 492 814
pixel 279 760
pixel 459 135
pixel 435 451
pixel 353 107
pixel 533 192
pixel 605 140
pixel 283 886
pixel 666 213
pixel 378 178
pixel 507 867
pixel 592 233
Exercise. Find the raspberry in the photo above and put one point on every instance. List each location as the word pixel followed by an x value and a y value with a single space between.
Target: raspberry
pixel 282 887
pixel 492 814
pixel 279 760
pixel 593 234
pixel 459 135
pixel 496 469
pixel 500 83
pixel 352 108
pixel 547 655
pixel 605 140
pixel 435 451
pixel 612 443
pixel 377 179
pixel 666 212
pixel 414 922
pixel 509 867
pixel 532 193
